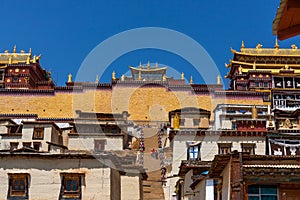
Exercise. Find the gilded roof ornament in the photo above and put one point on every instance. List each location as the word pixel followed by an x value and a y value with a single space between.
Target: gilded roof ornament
pixel 123 77
pixel 164 77
pixel 140 64
pixel 140 76
pixel 28 60
pixel 156 65
pixel 219 79
pixel 191 80
pixel 294 46
pixel 232 50
pixel 258 46
pixel 148 64
pixel 240 69
pixel 70 78
pixel 182 76
pixel 15 49
pixel 30 51
pixel 276 46
pixel 97 78
pixel 6 51
pixel 22 51
pixel 113 75
pixel 243 45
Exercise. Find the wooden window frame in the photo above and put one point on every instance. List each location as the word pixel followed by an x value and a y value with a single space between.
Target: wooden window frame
pixel 251 146
pixel 224 146
pixel 17 178
pixel 38 133
pixel 14 145
pixel 70 178
pixel 102 142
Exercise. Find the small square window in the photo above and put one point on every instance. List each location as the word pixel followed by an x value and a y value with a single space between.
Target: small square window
pixel 99 145
pixel 14 145
pixel 38 133
pixel 18 185
pixel 248 148
pixel 71 186
pixel 27 144
pixel 37 145
pixel 224 148
pixel 194 151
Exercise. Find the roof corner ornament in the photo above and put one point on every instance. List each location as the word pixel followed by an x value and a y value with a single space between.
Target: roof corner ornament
pixel 232 50
pixel 294 47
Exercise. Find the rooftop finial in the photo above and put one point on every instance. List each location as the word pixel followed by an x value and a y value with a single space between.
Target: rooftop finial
pixel 219 79
pixel 258 46
pixel 140 64
pixel 97 78
pixel 243 45
pixel 148 64
pixel 294 46
pixel 182 76
pixel 113 75
pixel 30 51
pixel 140 76
pixel 70 78
pixel 191 80
pixel 15 49
pixel 276 46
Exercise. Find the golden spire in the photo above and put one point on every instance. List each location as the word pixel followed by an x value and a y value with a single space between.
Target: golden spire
pixel 22 51
pixel 276 46
pixel 113 75
pixel 182 76
pixel 191 80
pixel 140 76
pixel 219 79
pixel 122 77
pixel 30 51
pixel 34 59
pixel 243 45
pixel 97 78
pixel 70 78
pixel 148 64
pixel 254 112
pixel 15 49
pixel 140 64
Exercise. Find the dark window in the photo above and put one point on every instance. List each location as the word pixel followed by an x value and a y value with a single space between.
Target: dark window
pixel 71 186
pixel 1 75
pixel 27 144
pixel 38 133
pixel 18 186
pixel 99 145
pixel 14 145
pixel 194 151
pixel 262 192
pixel 37 145
pixel 249 148
pixel 196 122
pixel 224 148
pixel 289 82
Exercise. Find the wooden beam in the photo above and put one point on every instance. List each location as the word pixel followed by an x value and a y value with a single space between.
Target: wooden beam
pixel 288 32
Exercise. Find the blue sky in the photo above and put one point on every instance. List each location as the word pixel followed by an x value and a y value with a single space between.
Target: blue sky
pixel 64 32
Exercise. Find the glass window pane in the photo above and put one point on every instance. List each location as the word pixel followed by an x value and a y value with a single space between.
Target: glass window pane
pixel 253 189
pixel 253 198
pixel 268 197
pixel 268 189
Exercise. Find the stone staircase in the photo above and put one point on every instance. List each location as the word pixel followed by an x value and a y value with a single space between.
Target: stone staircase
pixel 152 187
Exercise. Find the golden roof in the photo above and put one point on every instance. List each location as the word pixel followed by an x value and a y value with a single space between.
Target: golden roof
pixel 15 58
